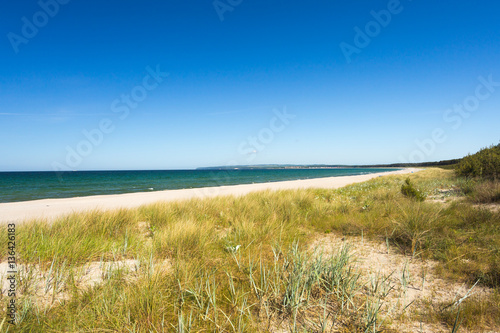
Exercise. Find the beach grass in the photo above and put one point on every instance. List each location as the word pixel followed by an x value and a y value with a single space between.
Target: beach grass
pixel 252 263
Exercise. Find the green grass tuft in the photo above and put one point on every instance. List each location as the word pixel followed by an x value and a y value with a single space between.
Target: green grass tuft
pixel 409 190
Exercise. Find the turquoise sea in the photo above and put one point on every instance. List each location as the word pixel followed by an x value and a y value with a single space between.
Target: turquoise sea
pixel 23 186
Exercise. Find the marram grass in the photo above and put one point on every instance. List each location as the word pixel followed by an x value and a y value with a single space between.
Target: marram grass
pixel 244 264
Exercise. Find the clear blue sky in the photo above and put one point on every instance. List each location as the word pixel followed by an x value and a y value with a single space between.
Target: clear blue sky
pixel 231 68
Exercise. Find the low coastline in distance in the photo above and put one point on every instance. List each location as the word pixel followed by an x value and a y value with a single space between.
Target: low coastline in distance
pixel 444 163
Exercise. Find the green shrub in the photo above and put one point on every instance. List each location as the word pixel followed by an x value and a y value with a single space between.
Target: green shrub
pixel 410 191
pixel 483 164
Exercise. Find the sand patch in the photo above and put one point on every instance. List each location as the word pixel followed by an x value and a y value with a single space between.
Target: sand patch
pixel 493 207
pixel 51 285
pixel 404 284
pixel 445 195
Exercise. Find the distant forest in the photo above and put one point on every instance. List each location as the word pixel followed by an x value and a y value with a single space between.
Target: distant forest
pixel 486 161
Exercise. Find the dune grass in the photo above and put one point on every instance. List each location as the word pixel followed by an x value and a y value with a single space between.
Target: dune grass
pixel 244 264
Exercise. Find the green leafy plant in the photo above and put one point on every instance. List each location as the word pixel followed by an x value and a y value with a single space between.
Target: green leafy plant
pixel 409 190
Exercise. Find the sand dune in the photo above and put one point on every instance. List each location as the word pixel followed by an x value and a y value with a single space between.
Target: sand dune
pixel 52 208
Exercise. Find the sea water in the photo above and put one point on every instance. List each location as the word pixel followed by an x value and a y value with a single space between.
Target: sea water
pixel 23 186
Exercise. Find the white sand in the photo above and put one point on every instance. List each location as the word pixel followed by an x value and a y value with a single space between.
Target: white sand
pixel 52 208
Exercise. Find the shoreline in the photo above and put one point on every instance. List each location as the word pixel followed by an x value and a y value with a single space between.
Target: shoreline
pixel 50 209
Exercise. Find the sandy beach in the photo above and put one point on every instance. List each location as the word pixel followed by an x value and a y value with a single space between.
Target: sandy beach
pixel 50 209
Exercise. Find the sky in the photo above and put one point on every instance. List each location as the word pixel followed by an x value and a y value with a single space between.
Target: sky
pixel 176 84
